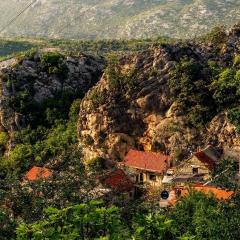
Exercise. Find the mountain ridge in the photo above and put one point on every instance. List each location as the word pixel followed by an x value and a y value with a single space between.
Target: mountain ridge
pixel 108 19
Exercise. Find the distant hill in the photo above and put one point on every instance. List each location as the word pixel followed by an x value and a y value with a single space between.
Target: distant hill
pixel 97 19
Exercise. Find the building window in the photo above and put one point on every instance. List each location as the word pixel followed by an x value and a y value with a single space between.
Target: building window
pixel 152 177
pixel 139 178
pixel 195 170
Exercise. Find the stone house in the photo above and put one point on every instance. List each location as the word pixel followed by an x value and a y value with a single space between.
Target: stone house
pixel 202 162
pixel 197 168
pixel 146 168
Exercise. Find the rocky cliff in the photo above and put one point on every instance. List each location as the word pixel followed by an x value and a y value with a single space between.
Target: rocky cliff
pixel 29 83
pixel 134 105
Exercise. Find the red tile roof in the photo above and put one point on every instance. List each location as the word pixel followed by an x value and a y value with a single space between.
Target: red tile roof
pixel 219 194
pixel 181 191
pixel 150 161
pixel 119 181
pixel 204 158
pixel 208 156
pixel 37 173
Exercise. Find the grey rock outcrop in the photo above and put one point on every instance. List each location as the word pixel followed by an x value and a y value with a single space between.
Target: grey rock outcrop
pixel 30 78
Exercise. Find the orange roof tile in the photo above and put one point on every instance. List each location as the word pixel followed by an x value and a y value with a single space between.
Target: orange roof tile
pixel 119 181
pixel 150 161
pixel 220 194
pixel 37 173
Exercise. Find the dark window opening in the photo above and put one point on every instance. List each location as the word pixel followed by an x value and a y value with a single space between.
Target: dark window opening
pixel 141 177
pixel 195 170
pixel 152 177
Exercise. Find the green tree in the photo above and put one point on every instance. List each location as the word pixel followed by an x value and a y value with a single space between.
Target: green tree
pixel 7 224
pixel 226 87
pixel 225 174
pixel 82 221
pixel 188 87
pixel 152 227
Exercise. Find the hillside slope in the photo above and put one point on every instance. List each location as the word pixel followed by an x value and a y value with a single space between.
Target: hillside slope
pixel 90 19
pixel 37 91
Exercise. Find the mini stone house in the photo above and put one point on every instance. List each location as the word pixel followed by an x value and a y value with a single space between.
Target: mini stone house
pixel 202 163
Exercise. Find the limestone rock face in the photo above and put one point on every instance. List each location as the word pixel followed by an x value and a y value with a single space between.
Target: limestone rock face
pixel 143 114
pixel 224 134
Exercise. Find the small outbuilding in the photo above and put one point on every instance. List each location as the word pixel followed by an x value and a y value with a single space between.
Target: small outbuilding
pixel 38 173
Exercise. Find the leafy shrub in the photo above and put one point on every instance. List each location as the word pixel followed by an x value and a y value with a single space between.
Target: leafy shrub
pixel 96 164
pixel 46 141
pixel 20 157
pixel 54 61
pixel 82 221
pixel 116 78
pixel 51 58
pixel 234 117
pixel 213 68
pixel 236 60
pixel 74 110
pixel 226 87
pixel 217 37
pixel 7 224
pixel 153 226
pixel 226 171
pixel 190 92
pixel 30 54
pixel 178 155
pixel 3 138
pixel 97 98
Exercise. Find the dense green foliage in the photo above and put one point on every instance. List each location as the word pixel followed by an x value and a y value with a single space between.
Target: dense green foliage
pixel 53 61
pixel 83 221
pixel 217 37
pixel 51 131
pixel 7 224
pixel 74 47
pixel 203 90
pixel 106 47
pixel 96 164
pixel 204 218
pixel 225 174
pixel 234 117
pixel 195 217
pixel 189 88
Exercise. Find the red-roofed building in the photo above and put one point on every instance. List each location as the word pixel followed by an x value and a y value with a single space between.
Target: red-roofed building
pixel 181 191
pixel 147 167
pixel 201 164
pixel 38 173
pixel 119 181
pixel 120 185
pixel 219 194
